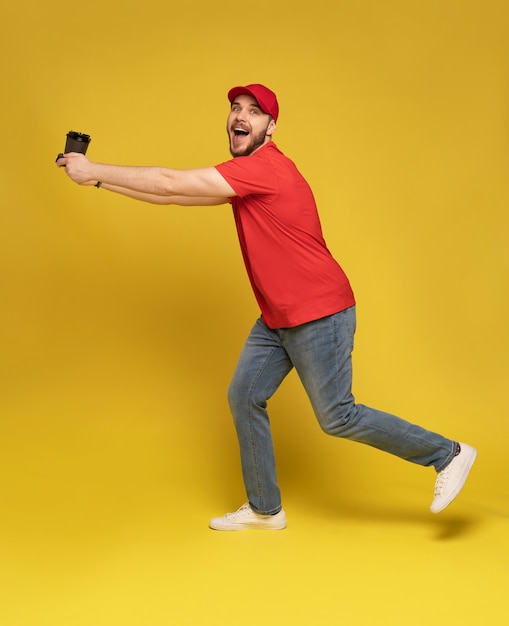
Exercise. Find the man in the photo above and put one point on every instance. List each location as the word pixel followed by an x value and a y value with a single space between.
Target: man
pixel 307 306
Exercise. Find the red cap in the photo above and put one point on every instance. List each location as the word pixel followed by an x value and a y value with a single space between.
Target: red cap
pixel 263 95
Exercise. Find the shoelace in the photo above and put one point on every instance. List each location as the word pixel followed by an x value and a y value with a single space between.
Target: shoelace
pixel 245 508
pixel 441 481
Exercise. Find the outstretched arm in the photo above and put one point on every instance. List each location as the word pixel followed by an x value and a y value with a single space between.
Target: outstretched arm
pixel 169 185
pixel 154 199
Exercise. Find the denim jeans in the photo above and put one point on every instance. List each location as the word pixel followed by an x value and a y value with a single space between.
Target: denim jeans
pixel 321 352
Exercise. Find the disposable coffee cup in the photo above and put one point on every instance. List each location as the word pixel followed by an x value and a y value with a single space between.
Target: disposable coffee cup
pixel 77 142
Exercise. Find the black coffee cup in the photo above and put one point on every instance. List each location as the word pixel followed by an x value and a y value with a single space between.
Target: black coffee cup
pixel 77 142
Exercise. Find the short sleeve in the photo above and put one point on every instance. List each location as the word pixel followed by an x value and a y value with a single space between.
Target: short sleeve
pixel 250 175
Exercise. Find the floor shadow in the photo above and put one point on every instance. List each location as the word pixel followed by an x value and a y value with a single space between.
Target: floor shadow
pixel 445 526
pixel 458 527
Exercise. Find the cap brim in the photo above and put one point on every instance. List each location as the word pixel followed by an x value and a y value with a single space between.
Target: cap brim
pixel 240 91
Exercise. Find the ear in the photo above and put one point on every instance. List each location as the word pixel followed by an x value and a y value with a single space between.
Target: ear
pixel 271 128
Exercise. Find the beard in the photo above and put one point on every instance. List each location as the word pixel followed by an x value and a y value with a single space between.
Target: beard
pixel 255 142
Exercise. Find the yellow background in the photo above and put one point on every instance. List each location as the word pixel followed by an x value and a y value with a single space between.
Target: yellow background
pixel 121 322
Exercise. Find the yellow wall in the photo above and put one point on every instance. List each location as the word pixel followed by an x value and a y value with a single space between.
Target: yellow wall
pixel 120 322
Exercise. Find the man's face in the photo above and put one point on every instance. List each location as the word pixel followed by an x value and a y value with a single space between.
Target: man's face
pixel 248 126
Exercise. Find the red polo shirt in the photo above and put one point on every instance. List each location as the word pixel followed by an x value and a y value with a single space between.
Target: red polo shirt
pixel 294 277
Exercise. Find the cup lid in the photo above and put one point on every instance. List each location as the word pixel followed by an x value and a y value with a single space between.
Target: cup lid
pixel 78 136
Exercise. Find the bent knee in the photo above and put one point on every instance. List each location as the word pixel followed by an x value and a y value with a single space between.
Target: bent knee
pixel 336 422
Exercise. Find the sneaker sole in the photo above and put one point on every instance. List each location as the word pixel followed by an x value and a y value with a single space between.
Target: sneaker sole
pixel 221 524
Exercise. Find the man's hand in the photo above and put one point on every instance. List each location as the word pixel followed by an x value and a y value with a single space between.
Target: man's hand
pixel 77 167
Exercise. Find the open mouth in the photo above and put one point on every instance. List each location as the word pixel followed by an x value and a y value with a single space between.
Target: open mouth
pixel 240 133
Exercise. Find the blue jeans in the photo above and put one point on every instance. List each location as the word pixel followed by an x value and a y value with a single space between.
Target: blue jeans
pixel 321 352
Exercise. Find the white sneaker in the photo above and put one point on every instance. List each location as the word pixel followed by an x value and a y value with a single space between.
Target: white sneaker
pixel 451 479
pixel 246 519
